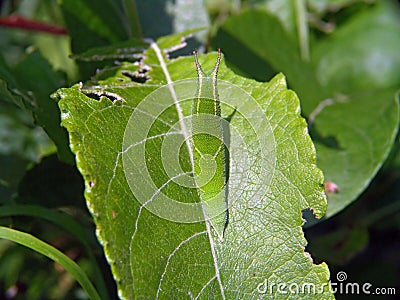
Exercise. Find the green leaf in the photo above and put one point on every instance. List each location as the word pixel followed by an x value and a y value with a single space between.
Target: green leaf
pixel 354 138
pixel 21 143
pixel 123 51
pixel 16 135
pixel 285 11
pixel 325 6
pixel 362 54
pixel 92 23
pixel 36 76
pixel 12 170
pixel 131 12
pixel 292 15
pixel 9 91
pixel 351 59
pixel 171 16
pixel 359 64
pixel 273 178
pixel 104 23
pixel 262 54
pixel 57 50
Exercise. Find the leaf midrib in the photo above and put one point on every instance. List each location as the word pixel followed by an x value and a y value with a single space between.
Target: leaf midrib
pixel 185 133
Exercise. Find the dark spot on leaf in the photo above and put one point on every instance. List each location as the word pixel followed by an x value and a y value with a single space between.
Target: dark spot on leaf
pixel 139 76
pixel 185 48
pixel 328 141
pixel 92 95
pixel 97 95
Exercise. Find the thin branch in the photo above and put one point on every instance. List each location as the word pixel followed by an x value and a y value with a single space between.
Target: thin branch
pixel 16 21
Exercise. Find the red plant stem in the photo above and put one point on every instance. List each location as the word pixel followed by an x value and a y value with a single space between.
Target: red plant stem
pixel 17 21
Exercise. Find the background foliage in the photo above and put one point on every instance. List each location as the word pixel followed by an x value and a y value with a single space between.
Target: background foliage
pixel 340 57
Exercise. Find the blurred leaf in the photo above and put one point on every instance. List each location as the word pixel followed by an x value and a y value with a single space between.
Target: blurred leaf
pixel 293 17
pixel 36 75
pixel 56 49
pixel 132 15
pixel 91 24
pixel 261 54
pixel 363 129
pixel 284 10
pixel 7 95
pixel 9 87
pixel 171 16
pixel 11 263
pixel 5 74
pixel 362 53
pixel 396 154
pixel 12 170
pixel 152 256
pixel 16 136
pixel 324 6
pixel 131 50
pixel 337 65
pixel 52 184
pixel 21 143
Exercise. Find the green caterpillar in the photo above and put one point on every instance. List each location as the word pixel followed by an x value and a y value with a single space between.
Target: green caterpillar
pixel 209 151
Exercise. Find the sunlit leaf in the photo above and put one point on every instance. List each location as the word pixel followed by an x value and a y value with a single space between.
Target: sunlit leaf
pixel 273 178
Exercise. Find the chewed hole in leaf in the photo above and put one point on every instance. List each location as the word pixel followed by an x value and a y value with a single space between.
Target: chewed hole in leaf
pixel 139 76
pixel 98 95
